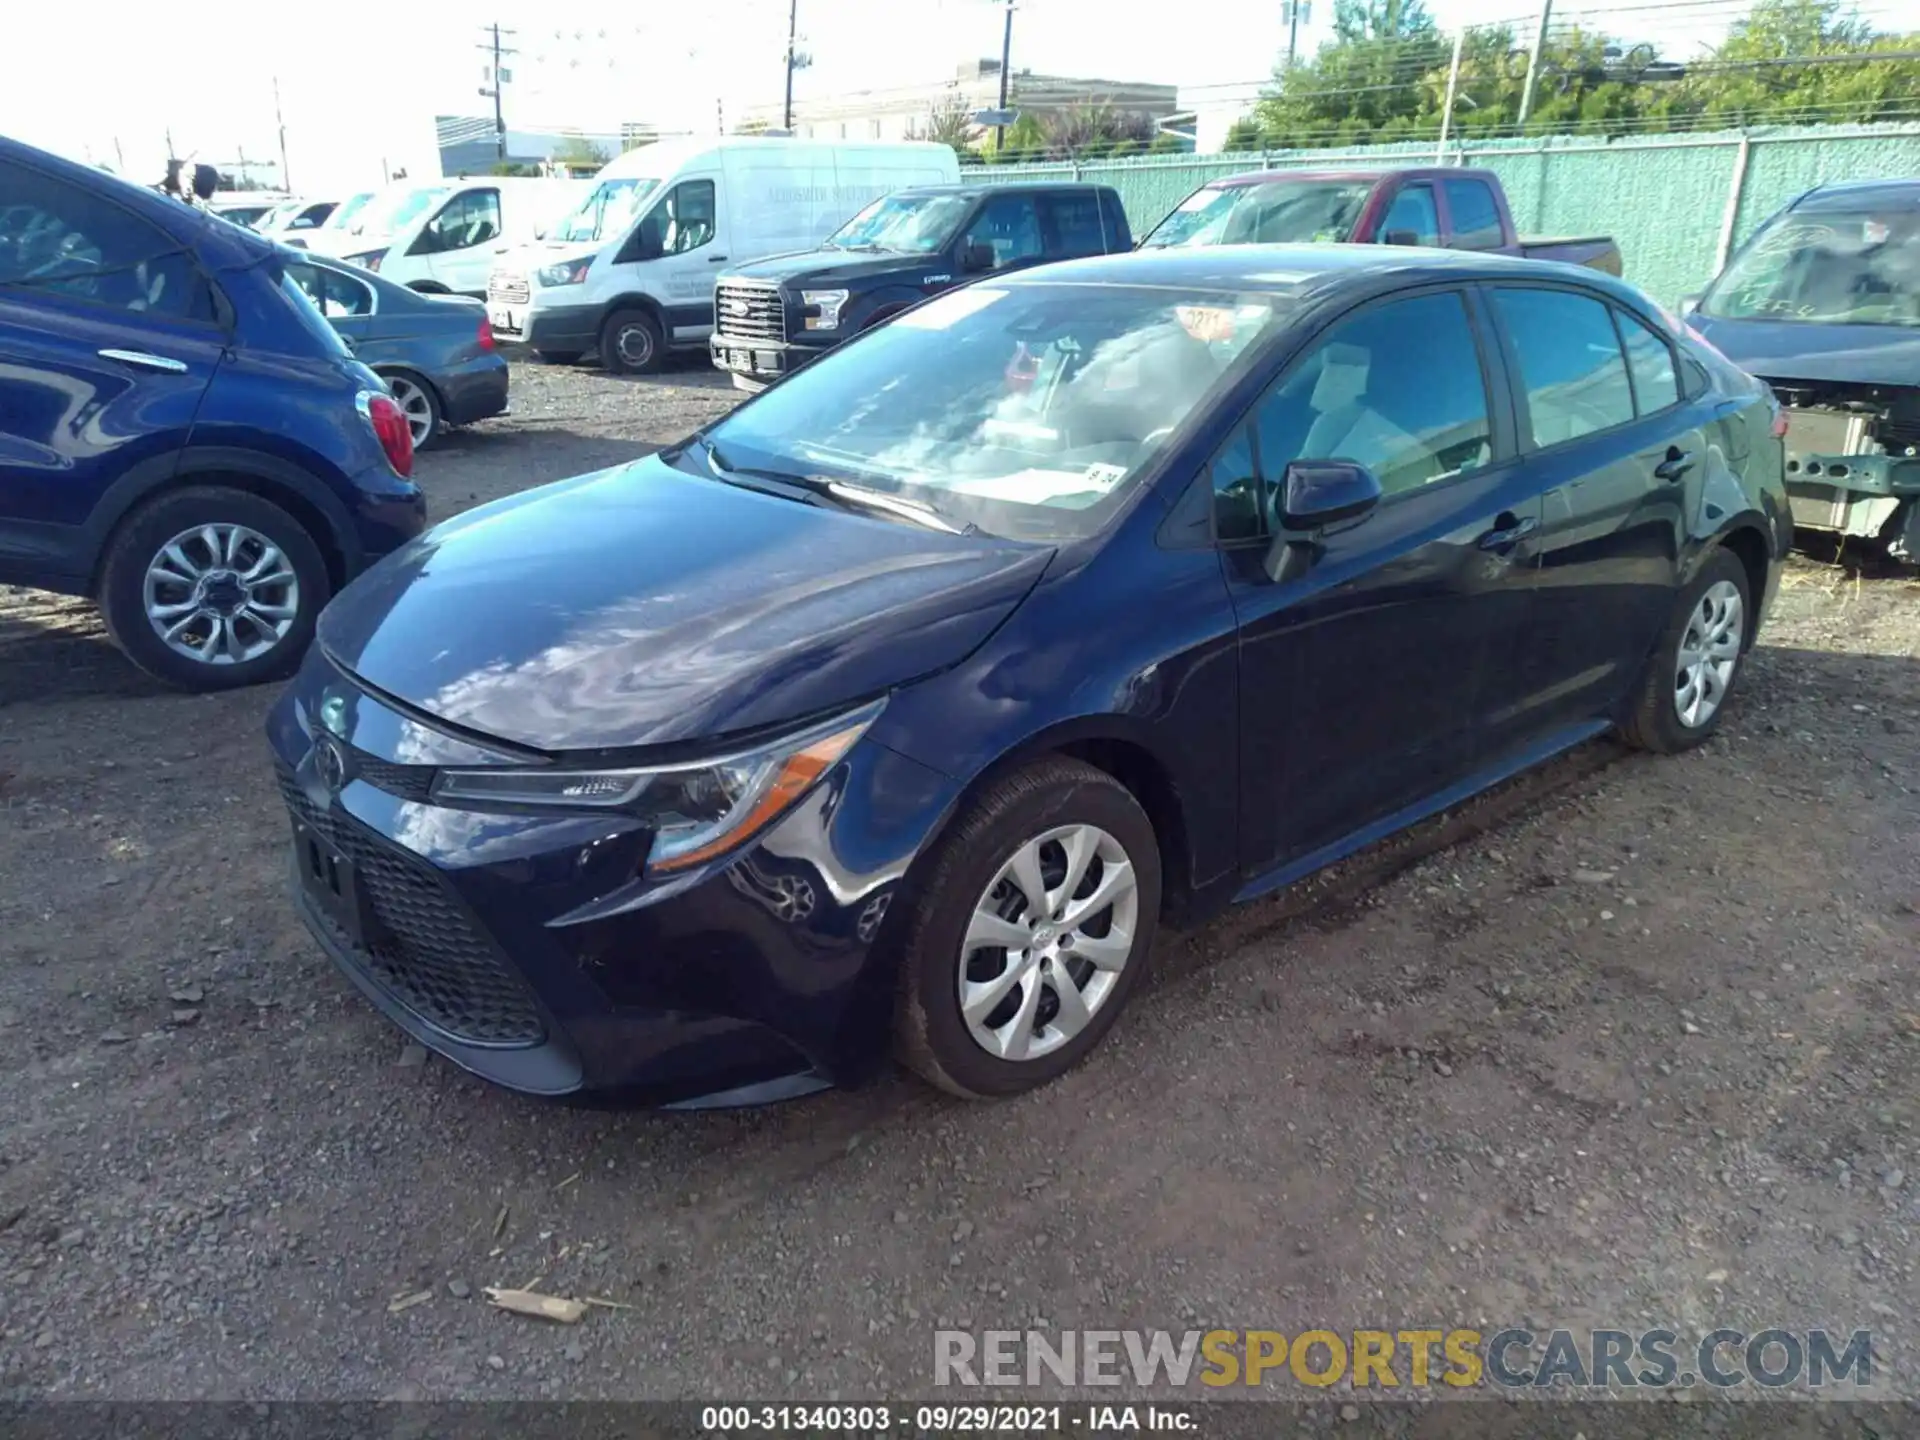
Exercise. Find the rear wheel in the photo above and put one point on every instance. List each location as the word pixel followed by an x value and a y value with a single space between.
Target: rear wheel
pixel 212 588
pixel 418 402
pixel 1697 661
pixel 1033 929
pixel 630 343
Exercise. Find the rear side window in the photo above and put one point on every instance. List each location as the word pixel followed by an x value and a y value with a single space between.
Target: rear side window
pixel 1116 217
pixel 1476 218
pixel 1412 216
pixel 1570 362
pixel 1075 224
pixel 57 238
pixel 337 296
pixel 302 306
pixel 1656 384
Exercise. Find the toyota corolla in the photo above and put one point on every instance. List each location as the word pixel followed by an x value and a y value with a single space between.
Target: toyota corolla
pixel 895 711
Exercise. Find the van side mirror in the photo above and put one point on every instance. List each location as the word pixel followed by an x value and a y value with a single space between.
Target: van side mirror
pixel 1314 495
pixel 977 257
pixel 1689 304
pixel 1401 237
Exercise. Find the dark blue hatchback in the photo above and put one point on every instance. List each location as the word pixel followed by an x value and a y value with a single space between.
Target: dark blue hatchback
pixel 896 709
pixel 181 435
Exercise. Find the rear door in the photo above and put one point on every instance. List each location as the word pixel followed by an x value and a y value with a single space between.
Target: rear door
pixel 1072 225
pixel 1363 680
pixel 108 340
pixel 1620 455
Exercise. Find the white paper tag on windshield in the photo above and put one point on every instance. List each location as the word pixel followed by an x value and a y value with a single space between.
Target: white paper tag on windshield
pixel 949 309
pixel 1104 476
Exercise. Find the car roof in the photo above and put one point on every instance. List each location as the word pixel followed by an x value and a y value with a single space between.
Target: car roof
pixel 1897 193
pixel 1309 271
pixel 1012 187
pixel 1351 173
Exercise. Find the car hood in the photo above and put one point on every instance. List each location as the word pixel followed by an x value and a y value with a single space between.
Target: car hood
pixel 821 268
pixel 525 259
pixel 643 606
pixel 1795 350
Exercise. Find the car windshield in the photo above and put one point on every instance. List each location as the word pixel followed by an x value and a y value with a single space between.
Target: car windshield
pixel 281 214
pixel 247 215
pixel 1283 212
pixel 393 210
pixel 913 224
pixel 607 211
pixel 1850 267
pixel 347 211
pixel 1027 411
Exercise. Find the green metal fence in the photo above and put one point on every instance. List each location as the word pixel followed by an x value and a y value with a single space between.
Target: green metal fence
pixel 1675 203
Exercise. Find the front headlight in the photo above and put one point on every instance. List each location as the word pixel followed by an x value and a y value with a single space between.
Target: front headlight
pixel 825 307
pixel 567 272
pixel 367 259
pixel 696 811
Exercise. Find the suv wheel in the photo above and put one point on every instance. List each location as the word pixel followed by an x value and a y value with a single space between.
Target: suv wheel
pixel 212 589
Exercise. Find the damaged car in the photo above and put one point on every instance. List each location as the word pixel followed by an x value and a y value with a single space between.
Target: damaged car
pixel 1823 303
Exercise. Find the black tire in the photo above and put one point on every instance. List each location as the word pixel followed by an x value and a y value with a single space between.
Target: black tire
pixel 932 1035
pixel 631 344
pixel 1655 721
pixel 140 541
pixel 427 423
pixel 557 357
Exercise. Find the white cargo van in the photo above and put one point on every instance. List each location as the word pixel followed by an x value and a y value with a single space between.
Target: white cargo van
pixel 630 274
pixel 443 236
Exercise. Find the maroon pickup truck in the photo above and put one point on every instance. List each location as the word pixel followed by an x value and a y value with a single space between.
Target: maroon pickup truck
pixel 1442 206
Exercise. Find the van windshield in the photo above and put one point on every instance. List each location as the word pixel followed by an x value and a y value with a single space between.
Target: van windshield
pixel 1852 267
pixel 607 211
pixel 393 211
pixel 911 224
pixel 348 211
pixel 1285 212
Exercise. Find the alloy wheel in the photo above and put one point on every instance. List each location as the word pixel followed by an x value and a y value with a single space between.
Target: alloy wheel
pixel 415 404
pixel 1709 651
pixel 1047 942
pixel 221 594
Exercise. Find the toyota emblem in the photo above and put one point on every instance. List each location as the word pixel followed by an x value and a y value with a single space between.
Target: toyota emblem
pixel 330 765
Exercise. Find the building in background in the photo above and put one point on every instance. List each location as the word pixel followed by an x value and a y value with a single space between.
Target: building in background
pixel 904 113
pixel 468 146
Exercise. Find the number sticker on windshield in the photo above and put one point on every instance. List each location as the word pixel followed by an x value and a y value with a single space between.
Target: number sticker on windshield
pixel 950 308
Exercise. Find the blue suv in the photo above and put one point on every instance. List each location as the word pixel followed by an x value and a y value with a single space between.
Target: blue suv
pixel 182 435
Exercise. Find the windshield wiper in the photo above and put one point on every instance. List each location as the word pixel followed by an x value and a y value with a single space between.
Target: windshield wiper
pixel 835 492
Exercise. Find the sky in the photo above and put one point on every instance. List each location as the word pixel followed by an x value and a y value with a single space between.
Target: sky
pixel 359 93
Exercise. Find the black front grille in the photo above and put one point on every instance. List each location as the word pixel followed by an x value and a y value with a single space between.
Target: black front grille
pixel 409 782
pixel 749 312
pixel 422 948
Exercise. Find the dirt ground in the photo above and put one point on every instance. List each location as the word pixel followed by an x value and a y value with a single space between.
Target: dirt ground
pixel 1630 1041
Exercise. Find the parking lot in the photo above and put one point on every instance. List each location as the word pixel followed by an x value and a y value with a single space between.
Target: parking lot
pixel 1629 1041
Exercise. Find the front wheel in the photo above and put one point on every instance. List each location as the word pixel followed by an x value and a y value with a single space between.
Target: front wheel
pixel 1694 667
pixel 1033 929
pixel 630 343
pixel 212 588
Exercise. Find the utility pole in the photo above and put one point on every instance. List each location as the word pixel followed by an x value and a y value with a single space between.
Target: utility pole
pixel 793 36
pixel 286 177
pixel 1006 59
pixel 1533 62
pixel 499 77
pixel 1453 84
pixel 1292 10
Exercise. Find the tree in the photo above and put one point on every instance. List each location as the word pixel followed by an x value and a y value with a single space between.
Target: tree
pixel 1025 142
pixel 948 122
pixel 1088 132
pixel 576 152
pixel 1167 143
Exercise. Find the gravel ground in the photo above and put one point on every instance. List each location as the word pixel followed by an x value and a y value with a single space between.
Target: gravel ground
pixel 1629 1041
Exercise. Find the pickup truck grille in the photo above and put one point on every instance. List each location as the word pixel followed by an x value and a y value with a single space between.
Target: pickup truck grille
pixel 509 288
pixel 749 312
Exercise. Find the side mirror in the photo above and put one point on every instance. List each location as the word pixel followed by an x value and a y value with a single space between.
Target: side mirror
pixel 977 257
pixel 1400 237
pixel 1689 304
pixel 206 181
pixel 1317 493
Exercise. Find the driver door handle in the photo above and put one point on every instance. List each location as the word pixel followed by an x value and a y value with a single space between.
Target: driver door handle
pixel 145 361
pixel 1508 531
pixel 716 259
pixel 1677 463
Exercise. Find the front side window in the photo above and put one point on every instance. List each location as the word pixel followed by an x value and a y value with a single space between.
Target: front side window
pixel 1475 216
pixel 1823 266
pixel 682 221
pixel 1412 219
pixel 1279 212
pixel 469 219
pixel 59 239
pixel 1008 226
pixel 904 224
pixel 1028 410
pixel 1397 388
pixel 1570 362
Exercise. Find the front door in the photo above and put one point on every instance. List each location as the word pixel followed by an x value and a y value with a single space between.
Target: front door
pixel 680 240
pixel 1363 678
pixel 107 344
pixel 460 241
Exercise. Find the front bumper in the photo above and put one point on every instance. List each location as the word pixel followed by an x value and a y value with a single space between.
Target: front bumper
pixel 546 327
pixel 759 360
pixel 531 950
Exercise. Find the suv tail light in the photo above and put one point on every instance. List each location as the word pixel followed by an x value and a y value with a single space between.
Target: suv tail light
pixel 390 428
pixel 486 333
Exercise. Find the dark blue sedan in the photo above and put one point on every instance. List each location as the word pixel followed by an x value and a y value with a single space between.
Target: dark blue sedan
pixel 897 709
